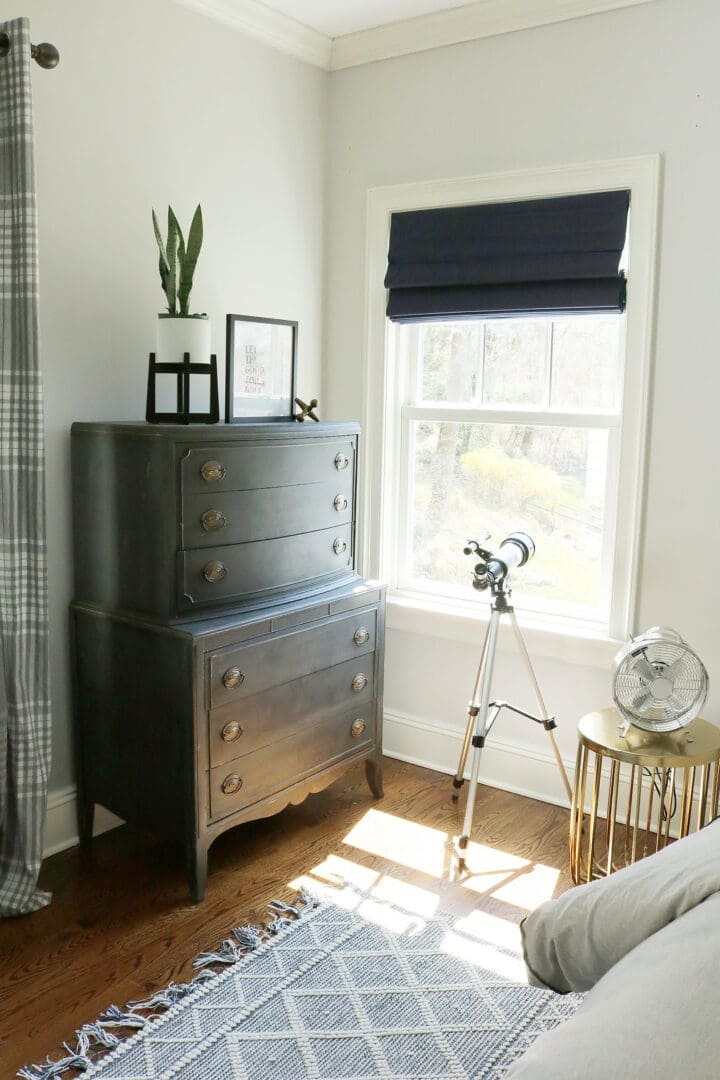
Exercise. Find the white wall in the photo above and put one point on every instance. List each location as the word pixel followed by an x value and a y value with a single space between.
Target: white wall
pixel 635 81
pixel 152 104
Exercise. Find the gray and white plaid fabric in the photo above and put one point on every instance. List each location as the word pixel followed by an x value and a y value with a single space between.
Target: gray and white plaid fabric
pixel 24 676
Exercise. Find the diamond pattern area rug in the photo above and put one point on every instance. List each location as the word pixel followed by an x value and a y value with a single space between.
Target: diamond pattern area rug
pixel 353 990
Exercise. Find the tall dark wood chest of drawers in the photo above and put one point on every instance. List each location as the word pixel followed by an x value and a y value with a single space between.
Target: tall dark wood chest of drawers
pixel 228 659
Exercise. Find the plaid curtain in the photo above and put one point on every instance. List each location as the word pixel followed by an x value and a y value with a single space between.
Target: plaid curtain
pixel 24 677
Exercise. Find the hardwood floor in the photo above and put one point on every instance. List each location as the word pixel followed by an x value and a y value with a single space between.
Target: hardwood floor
pixel 121 924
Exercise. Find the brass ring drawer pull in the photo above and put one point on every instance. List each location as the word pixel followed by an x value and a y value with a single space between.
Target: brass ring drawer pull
pixel 361 635
pixel 341 462
pixel 212 471
pixel 339 546
pixel 233 677
pixel 214 571
pixel 231 732
pixel 359 682
pixel 358 726
pixel 340 503
pixel 231 784
pixel 213 520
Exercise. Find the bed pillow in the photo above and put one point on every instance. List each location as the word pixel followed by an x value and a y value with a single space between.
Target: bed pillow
pixel 653 1015
pixel 570 943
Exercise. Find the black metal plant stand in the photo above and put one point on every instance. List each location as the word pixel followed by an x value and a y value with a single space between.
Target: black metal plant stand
pixel 183 370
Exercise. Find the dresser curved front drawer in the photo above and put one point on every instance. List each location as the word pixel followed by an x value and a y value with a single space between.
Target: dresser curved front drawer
pixel 238 673
pixel 264 567
pixel 277 464
pixel 241 517
pixel 255 776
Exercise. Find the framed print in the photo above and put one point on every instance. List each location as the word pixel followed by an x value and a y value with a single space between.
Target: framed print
pixel 260 369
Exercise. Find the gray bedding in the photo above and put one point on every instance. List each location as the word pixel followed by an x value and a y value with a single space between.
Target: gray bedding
pixel 653 1016
pixel 645 943
pixel 571 942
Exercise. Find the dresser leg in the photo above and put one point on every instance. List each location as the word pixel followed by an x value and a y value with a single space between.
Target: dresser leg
pixel 196 858
pixel 85 820
pixel 373 772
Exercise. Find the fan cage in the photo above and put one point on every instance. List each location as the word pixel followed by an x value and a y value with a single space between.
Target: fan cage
pixel 671 660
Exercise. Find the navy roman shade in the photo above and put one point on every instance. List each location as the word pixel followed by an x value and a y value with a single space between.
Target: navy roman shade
pixel 539 256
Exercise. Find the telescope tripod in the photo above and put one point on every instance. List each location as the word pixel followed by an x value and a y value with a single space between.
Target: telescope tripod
pixel 482 713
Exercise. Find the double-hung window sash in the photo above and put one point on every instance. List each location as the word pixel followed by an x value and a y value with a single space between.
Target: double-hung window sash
pixel 542 259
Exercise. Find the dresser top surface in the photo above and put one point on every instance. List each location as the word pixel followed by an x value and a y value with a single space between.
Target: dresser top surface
pixel 205 433
pixel 264 620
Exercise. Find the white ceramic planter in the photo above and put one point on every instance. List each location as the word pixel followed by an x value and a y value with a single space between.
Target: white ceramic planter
pixel 180 334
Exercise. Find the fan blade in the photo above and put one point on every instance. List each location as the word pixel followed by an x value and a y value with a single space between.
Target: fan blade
pixel 641 700
pixel 675 669
pixel 642 667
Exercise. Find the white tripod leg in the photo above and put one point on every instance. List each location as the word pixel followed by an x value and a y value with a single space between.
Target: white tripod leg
pixel 541 703
pixel 480 731
pixel 459 778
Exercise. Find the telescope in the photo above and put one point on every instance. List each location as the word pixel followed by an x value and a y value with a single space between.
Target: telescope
pixel 515 550
pixel 493 572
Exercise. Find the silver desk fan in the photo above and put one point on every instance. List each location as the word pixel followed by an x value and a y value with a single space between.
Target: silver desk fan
pixel 660 684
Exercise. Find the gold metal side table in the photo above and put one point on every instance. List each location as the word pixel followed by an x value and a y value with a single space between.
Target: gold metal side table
pixel 649 783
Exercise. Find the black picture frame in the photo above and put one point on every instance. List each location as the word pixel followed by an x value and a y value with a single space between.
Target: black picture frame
pixel 260 369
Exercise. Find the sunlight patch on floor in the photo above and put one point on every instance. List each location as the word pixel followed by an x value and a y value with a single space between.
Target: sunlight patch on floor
pixel 338 871
pixel 410 897
pixel 481 938
pixel 484 954
pixel 404 842
pixel 378 888
pixel 531 888
pixel 383 898
pixel 488 868
pixel 509 878
pixel 482 926
pixel 390 917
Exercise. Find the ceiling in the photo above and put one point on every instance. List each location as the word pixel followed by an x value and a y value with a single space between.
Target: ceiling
pixel 337 17
pixel 336 34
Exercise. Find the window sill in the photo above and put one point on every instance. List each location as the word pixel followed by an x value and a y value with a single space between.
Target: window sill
pixel 466 624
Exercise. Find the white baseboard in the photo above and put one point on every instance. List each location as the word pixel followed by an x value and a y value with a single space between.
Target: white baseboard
pixel 61 830
pixel 505 765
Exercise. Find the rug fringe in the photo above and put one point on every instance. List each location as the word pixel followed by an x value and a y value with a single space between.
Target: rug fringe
pixel 93 1040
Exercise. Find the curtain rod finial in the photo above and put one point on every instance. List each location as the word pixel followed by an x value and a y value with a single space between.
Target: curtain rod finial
pixel 45 54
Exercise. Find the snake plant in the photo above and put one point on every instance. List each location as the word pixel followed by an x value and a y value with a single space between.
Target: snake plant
pixel 178 260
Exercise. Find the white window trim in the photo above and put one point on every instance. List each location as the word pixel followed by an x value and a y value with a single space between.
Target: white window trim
pixel 382 426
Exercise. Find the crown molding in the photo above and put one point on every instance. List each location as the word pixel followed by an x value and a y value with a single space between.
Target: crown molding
pixel 484 18
pixel 268 26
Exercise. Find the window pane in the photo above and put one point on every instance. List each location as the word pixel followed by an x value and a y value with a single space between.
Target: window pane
pixel 450 361
pixel 546 481
pixel 585 362
pixel 516 362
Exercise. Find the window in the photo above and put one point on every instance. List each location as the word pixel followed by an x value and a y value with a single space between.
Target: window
pixel 512 424
pixel 501 424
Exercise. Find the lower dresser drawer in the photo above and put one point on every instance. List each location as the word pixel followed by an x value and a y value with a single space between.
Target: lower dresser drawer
pixel 244 726
pixel 248 779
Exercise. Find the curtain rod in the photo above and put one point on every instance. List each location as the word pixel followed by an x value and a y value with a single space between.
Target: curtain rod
pixel 44 54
